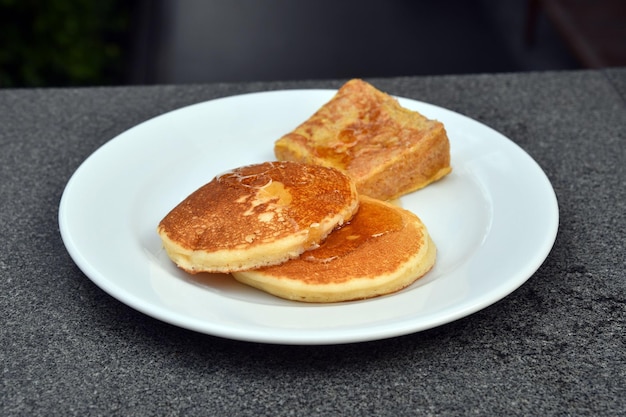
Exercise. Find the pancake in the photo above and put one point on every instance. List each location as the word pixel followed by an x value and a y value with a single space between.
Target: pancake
pixel 383 249
pixel 257 215
pixel 387 149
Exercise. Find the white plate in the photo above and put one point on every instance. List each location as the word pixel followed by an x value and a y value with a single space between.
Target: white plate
pixel 494 220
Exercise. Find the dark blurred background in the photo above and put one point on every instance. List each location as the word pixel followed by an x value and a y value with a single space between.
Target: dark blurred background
pixel 118 42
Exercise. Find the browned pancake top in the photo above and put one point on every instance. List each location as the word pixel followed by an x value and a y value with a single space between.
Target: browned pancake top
pixel 361 127
pixel 378 240
pixel 258 204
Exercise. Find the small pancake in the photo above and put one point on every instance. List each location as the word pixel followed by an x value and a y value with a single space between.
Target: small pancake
pixel 383 249
pixel 257 215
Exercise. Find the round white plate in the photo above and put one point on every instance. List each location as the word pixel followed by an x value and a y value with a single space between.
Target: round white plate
pixel 494 220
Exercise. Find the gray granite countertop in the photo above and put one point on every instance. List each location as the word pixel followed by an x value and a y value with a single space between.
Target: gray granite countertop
pixel 555 346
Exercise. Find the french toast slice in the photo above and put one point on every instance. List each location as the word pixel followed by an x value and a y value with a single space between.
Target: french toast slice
pixel 386 149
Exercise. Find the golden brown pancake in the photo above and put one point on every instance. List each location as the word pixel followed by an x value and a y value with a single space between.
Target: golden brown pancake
pixel 387 149
pixel 383 249
pixel 257 215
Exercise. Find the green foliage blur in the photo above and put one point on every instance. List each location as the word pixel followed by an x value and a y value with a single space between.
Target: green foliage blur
pixel 63 42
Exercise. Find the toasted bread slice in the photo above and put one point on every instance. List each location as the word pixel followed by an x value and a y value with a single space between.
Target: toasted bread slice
pixel 387 149
pixel 257 215
pixel 383 249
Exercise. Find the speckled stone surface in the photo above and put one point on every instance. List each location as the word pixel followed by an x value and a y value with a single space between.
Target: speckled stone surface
pixel 556 346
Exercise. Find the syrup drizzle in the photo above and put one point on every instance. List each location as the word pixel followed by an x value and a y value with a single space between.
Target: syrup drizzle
pixel 371 222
